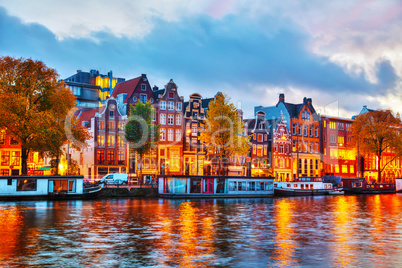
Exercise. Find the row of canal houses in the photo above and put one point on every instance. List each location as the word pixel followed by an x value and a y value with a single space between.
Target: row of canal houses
pixel 288 140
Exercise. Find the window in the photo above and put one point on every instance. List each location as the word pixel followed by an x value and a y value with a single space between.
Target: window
pixel 120 126
pixel 294 129
pixel 171 106
pixel 143 98
pixel 110 141
pixel 344 168
pixel 179 104
pixel 336 168
pixel 305 131
pixel 26 185
pixel 101 140
pixel 101 125
pixel 352 169
pixel 5 158
pixel 110 157
pixel 341 140
pixel 171 95
pixel 300 130
pixel 325 123
pixel 281 149
pixel 178 134
pixel 259 137
pixel 316 131
pixel 170 134
pixel 120 141
pixel 143 87
pixel 312 147
pixel 170 119
pixel 259 150
pixel 120 157
pixel 100 157
pixel 311 131
pixel 163 105
pixel 15 158
pixel 254 149
pixel 294 146
pixel 14 140
pixel 162 134
pixel 265 150
pixel 110 126
pixel 265 137
pixel 178 120
pixel 111 114
pixel 163 119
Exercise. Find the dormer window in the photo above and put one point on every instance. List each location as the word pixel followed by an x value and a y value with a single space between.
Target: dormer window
pixel 143 87
pixel 171 95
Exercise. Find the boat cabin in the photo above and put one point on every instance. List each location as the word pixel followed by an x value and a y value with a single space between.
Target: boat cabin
pixel 40 186
pixel 215 186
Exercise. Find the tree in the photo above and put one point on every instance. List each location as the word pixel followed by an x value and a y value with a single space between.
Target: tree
pixel 376 132
pixel 222 131
pixel 34 105
pixel 141 134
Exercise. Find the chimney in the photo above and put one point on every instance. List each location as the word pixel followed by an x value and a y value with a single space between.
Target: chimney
pixel 304 100
pixel 309 101
pixel 155 88
pixel 281 97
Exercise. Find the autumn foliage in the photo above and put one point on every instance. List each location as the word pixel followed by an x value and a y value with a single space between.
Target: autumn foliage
pixel 222 131
pixel 34 105
pixel 376 132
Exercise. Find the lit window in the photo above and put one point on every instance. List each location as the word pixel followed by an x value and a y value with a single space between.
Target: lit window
pixel 162 134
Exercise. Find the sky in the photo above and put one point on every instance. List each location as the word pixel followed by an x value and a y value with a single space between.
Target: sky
pixel 342 54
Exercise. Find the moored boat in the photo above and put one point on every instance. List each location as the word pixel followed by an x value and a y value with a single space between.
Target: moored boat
pixel 362 186
pixel 304 186
pixel 187 186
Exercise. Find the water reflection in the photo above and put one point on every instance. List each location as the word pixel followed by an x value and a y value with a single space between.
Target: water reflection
pixel 285 248
pixel 339 231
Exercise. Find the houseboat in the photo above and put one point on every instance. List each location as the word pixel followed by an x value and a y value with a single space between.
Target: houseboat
pixel 305 186
pixel 185 186
pixel 362 186
pixel 43 187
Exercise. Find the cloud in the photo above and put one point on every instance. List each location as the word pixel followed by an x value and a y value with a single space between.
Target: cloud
pixel 252 56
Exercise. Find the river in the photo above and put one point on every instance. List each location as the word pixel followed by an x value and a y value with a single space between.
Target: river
pixel 319 231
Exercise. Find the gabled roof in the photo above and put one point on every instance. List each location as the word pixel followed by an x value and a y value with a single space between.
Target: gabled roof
pixel 88 114
pixel 127 87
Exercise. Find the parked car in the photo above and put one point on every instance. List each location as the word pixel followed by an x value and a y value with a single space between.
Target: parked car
pixel 115 178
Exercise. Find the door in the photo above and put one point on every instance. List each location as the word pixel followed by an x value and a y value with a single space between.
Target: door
pixel 209 186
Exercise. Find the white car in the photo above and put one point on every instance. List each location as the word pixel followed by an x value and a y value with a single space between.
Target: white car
pixel 114 178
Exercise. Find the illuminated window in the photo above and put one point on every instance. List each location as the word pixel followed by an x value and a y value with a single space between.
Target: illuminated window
pixel 110 141
pixel 259 137
pixel 352 168
pixel 110 157
pixel 100 157
pixel 254 149
pixel 265 150
pixel 15 158
pixel 110 126
pixel 101 140
pixel 336 168
pixel 170 134
pixel 120 126
pixel 5 158
pixel 120 141
pixel 120 156
pixel 344 168
pixel 259 150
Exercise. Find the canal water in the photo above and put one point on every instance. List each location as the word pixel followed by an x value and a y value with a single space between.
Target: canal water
pixel 319 231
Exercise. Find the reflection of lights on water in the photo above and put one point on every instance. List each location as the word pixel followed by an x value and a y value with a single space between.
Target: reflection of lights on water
pixel 343 229
pixel 10 227
pixel 285 244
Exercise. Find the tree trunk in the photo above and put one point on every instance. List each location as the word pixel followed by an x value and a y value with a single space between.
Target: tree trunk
pixel 379 167
pixel 57 166
pixel 24 160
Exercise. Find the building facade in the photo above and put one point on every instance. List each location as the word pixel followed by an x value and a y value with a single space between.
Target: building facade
pixel 169 115
pixel 338 156
pixel 92 88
